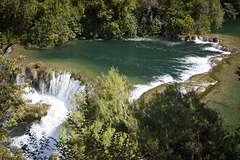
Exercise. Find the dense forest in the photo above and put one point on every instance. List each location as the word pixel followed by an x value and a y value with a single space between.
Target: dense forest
pixel 46 23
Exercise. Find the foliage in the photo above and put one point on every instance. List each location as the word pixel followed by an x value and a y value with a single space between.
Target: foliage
pixel 102 126
pixel 10 96
pixel 46 23
pixel 234 3
pixel 50 31
pixel 35 147
pixel 168 126
pixel 14 154
pixel 149 15
pixel 10 93
pixel 177 126
pixel 230 12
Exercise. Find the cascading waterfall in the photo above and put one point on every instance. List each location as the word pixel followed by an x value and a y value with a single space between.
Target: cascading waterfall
pixel 58 95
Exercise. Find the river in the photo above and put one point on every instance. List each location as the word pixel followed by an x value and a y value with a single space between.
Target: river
pixel 147 62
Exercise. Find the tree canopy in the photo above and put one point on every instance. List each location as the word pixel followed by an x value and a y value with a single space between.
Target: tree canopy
pixel 46 23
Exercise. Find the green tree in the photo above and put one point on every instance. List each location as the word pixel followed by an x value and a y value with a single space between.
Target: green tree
pixel 234 3
pixel 150 17
pixel 230 12
pixel 102 125
pixel 16 19
pixel 50 31
pixel 10 100
pixel 110 19
pixel 177 126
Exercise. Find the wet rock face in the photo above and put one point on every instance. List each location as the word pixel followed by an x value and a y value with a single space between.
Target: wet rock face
pixel 215 40
pixel 187 38
pixel 182 38
pixel 37 73
pixel 193 38
pixel 32 113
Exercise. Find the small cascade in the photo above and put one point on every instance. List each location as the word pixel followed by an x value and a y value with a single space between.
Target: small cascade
pixel 21 80
pixel 43 87
pixel 9 49
pixel 57 95
pixel 215 47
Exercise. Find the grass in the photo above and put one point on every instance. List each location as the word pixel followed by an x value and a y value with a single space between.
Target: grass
pixel 224 97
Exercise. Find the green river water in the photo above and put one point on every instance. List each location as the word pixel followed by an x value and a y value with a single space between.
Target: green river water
pixel 141 60
pixel 152 60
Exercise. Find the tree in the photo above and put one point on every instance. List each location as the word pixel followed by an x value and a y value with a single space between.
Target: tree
pixel 234 3
pixel 10 100
pixel 150 17
pixel 230 12
pixel 102 125
pixel 50 31
pixel 177 126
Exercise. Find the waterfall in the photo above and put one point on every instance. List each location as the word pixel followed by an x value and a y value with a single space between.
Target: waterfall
pixel 8 51
pixel 63 86
pixel 21 80
pixel 215 47
pixel 58 95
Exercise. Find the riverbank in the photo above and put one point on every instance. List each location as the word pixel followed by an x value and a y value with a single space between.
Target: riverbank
pixel 223 96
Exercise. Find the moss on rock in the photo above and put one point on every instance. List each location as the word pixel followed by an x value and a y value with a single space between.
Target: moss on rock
pixel 31 113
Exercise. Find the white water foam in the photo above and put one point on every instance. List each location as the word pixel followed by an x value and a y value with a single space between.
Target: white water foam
pixel 196 65
pixel 214 46
pixel 199 40
pixel 155 39
pixel 61 89
pixel 193 66
pixel 140 89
